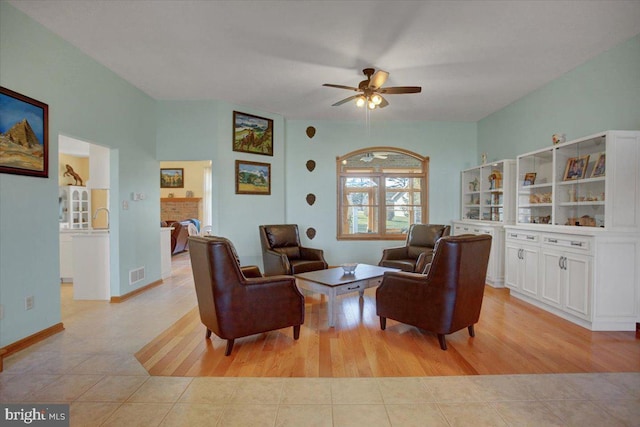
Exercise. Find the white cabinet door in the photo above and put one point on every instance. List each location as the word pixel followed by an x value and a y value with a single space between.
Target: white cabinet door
pixel 551 283
pixel 512 263
pixel 577 283
pixel 529 270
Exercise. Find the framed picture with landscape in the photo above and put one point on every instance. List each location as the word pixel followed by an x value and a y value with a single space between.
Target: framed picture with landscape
pixel 252 134
pixel 172 178
pixel 253 178
pixel 24 135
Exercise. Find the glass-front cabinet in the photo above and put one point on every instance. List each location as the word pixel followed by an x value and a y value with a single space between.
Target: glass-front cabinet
pixel 487 192
pixel 575 247
pixel 580 183
pixel 487 204
pixel 567 184
pixel 535 187
pixel 75 205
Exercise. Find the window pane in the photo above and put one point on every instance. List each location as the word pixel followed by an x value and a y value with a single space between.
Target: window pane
pixel 397 221
pixel 361 219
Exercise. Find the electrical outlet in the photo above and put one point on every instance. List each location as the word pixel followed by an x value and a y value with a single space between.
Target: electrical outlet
pixel 125 205
pixel 28 303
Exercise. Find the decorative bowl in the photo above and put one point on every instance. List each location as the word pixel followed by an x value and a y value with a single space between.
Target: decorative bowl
pixel 349 268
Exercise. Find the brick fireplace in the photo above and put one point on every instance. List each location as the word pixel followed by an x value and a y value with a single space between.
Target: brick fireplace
pixel 179 208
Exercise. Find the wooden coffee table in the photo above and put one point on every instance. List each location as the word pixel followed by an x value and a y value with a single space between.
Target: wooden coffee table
pixel 333 282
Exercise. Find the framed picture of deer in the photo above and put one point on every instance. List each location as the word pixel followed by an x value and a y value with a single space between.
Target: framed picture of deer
pixel 252 134
pixel 24 135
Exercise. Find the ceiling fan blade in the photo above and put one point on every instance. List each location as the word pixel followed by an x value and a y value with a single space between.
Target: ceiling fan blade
pixel 382 104
pixel 341 87
pixel 378 79
pixel 400 89
pixel 345 100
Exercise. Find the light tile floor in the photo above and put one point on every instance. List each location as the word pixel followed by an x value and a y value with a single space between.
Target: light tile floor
pixel 91 366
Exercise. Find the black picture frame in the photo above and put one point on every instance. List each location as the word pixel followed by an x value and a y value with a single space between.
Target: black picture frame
pixel 252 134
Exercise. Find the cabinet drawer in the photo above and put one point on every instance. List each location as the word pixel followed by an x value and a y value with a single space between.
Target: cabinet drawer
pixel 522 236
pixel 351 287
pixel 564 242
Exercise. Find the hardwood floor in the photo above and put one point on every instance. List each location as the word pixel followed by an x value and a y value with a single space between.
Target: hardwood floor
pixel 512 337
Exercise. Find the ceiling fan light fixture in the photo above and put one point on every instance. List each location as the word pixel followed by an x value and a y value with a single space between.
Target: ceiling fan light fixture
pixel 372 105
pixel 376 99
pixel 360 101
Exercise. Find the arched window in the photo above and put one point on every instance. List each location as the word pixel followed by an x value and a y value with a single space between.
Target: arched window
pixel 381 192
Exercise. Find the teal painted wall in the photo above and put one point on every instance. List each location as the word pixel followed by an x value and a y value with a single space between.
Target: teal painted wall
pixel 450 147
pixel 203 130
pixel 91 103
pixel 601 94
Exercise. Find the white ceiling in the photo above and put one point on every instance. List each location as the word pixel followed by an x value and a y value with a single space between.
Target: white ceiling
pixel 471 58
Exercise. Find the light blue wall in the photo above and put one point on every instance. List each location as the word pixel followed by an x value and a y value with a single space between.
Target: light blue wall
pixel 203 130
pixel 450 147
pixel 601 94
pixel 91 103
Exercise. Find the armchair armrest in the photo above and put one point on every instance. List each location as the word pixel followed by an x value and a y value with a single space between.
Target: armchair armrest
pixel 251 271
pixel 275 263
pixel 312 254
pixel 400 252
pixel 424 259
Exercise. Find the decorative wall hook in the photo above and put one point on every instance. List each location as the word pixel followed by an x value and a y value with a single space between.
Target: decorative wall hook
pixel 311 199
pixel 311 131
pixel 311 165
pixel 311 233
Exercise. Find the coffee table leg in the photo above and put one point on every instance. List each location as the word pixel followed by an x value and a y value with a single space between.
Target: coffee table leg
pixel 332 308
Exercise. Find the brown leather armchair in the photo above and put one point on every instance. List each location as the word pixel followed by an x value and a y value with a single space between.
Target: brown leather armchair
pixel 447 298
pixel 179 235
pixel 283 254
pixel 236 302
pixel 418 249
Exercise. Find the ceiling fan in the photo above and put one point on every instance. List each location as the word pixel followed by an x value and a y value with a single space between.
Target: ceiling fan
pixel 368 157
pixel 371 90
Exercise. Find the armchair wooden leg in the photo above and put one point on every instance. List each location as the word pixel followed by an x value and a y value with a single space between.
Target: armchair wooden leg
pixel 296 332
pixel 229 347
pixel 383 323
pixel 443 342
pixel 208 334
pixel 472 332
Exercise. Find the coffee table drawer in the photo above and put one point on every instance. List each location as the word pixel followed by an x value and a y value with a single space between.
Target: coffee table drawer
pixel 377 281
pixel 351 287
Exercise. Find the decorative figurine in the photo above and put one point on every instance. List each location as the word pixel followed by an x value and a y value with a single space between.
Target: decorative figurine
pixel 73 174
pixel 483 158
pixel 558 138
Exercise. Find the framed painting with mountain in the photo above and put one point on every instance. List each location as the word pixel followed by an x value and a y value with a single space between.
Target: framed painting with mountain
pixel 253 178
pixel 252 134
pixel 24 135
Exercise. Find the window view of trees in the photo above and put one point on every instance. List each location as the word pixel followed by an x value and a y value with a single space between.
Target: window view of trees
pixel 380 193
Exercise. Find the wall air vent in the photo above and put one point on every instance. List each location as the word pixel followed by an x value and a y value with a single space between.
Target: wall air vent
pixel 136 275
